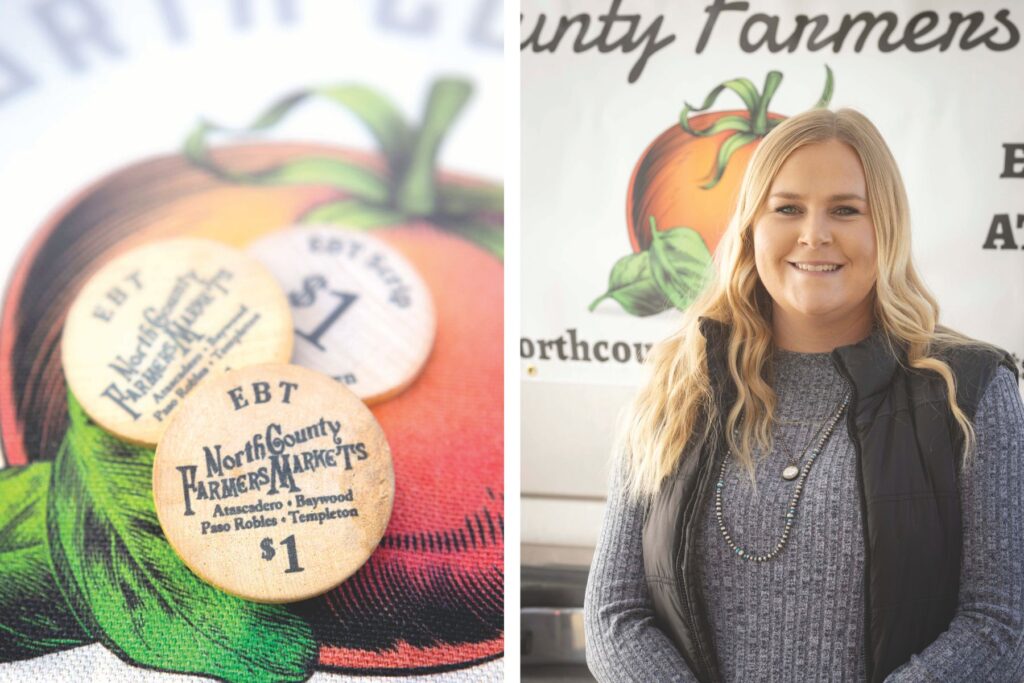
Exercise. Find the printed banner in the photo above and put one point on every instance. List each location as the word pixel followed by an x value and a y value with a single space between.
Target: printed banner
pixel 639 117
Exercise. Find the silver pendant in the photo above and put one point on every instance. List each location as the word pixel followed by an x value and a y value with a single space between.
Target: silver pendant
pixel 790 472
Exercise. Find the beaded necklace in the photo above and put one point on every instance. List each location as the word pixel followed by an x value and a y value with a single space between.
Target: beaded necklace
pixel 790 514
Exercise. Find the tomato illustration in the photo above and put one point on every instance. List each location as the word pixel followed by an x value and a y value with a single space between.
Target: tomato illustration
pixel 668 182
pixel 430 598
pixel 682 193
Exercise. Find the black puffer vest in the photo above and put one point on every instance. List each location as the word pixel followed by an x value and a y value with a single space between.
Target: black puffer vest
pixel 908 446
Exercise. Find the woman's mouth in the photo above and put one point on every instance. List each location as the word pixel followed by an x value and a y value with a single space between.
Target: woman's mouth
pixel 821 268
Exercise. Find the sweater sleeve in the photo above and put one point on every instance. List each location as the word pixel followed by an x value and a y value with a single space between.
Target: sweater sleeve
pixel 623 641
pixel 984 639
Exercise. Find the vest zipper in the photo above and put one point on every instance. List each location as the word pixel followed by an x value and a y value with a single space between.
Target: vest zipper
pixel 851 426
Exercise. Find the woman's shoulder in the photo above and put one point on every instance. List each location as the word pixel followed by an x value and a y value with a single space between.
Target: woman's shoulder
pixel 972 358
pixel 999 419
pixel 973 363
pixel 1005 383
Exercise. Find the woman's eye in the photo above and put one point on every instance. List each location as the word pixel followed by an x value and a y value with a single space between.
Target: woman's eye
pixel 790 210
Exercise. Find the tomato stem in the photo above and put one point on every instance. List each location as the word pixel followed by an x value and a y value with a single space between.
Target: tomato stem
pixel 745 129
pixel 415 191
pixel 409 188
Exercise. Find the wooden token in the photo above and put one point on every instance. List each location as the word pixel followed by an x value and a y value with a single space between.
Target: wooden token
pixel 273 483
pixel 362 313
pixel 154 322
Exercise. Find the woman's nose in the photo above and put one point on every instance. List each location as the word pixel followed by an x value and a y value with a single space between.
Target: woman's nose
pixel 815 230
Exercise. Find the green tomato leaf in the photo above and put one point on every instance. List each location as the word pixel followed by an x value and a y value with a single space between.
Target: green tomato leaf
pixel 352 213
pixel 393 135
pixel 380 116
pixel 632 284
pixel 129 588
pixel 725 152
pixel 417 192
pixel 34 620
pixel 680 263
pixel 466 200
pixel 347 176
pixel 487 235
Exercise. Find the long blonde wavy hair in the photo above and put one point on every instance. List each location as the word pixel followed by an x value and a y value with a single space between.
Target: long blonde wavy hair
pixel 676 403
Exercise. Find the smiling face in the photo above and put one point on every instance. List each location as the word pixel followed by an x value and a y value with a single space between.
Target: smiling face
pixel 814 246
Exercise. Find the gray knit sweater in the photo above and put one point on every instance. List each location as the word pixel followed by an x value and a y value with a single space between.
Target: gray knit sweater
pixel 799 616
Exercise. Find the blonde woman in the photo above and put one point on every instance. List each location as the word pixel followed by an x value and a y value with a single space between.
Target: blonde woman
pixel 818 481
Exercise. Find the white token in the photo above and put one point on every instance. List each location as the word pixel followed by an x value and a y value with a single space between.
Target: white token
pixel 154 322
pixel 273 483
pixel 362 313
